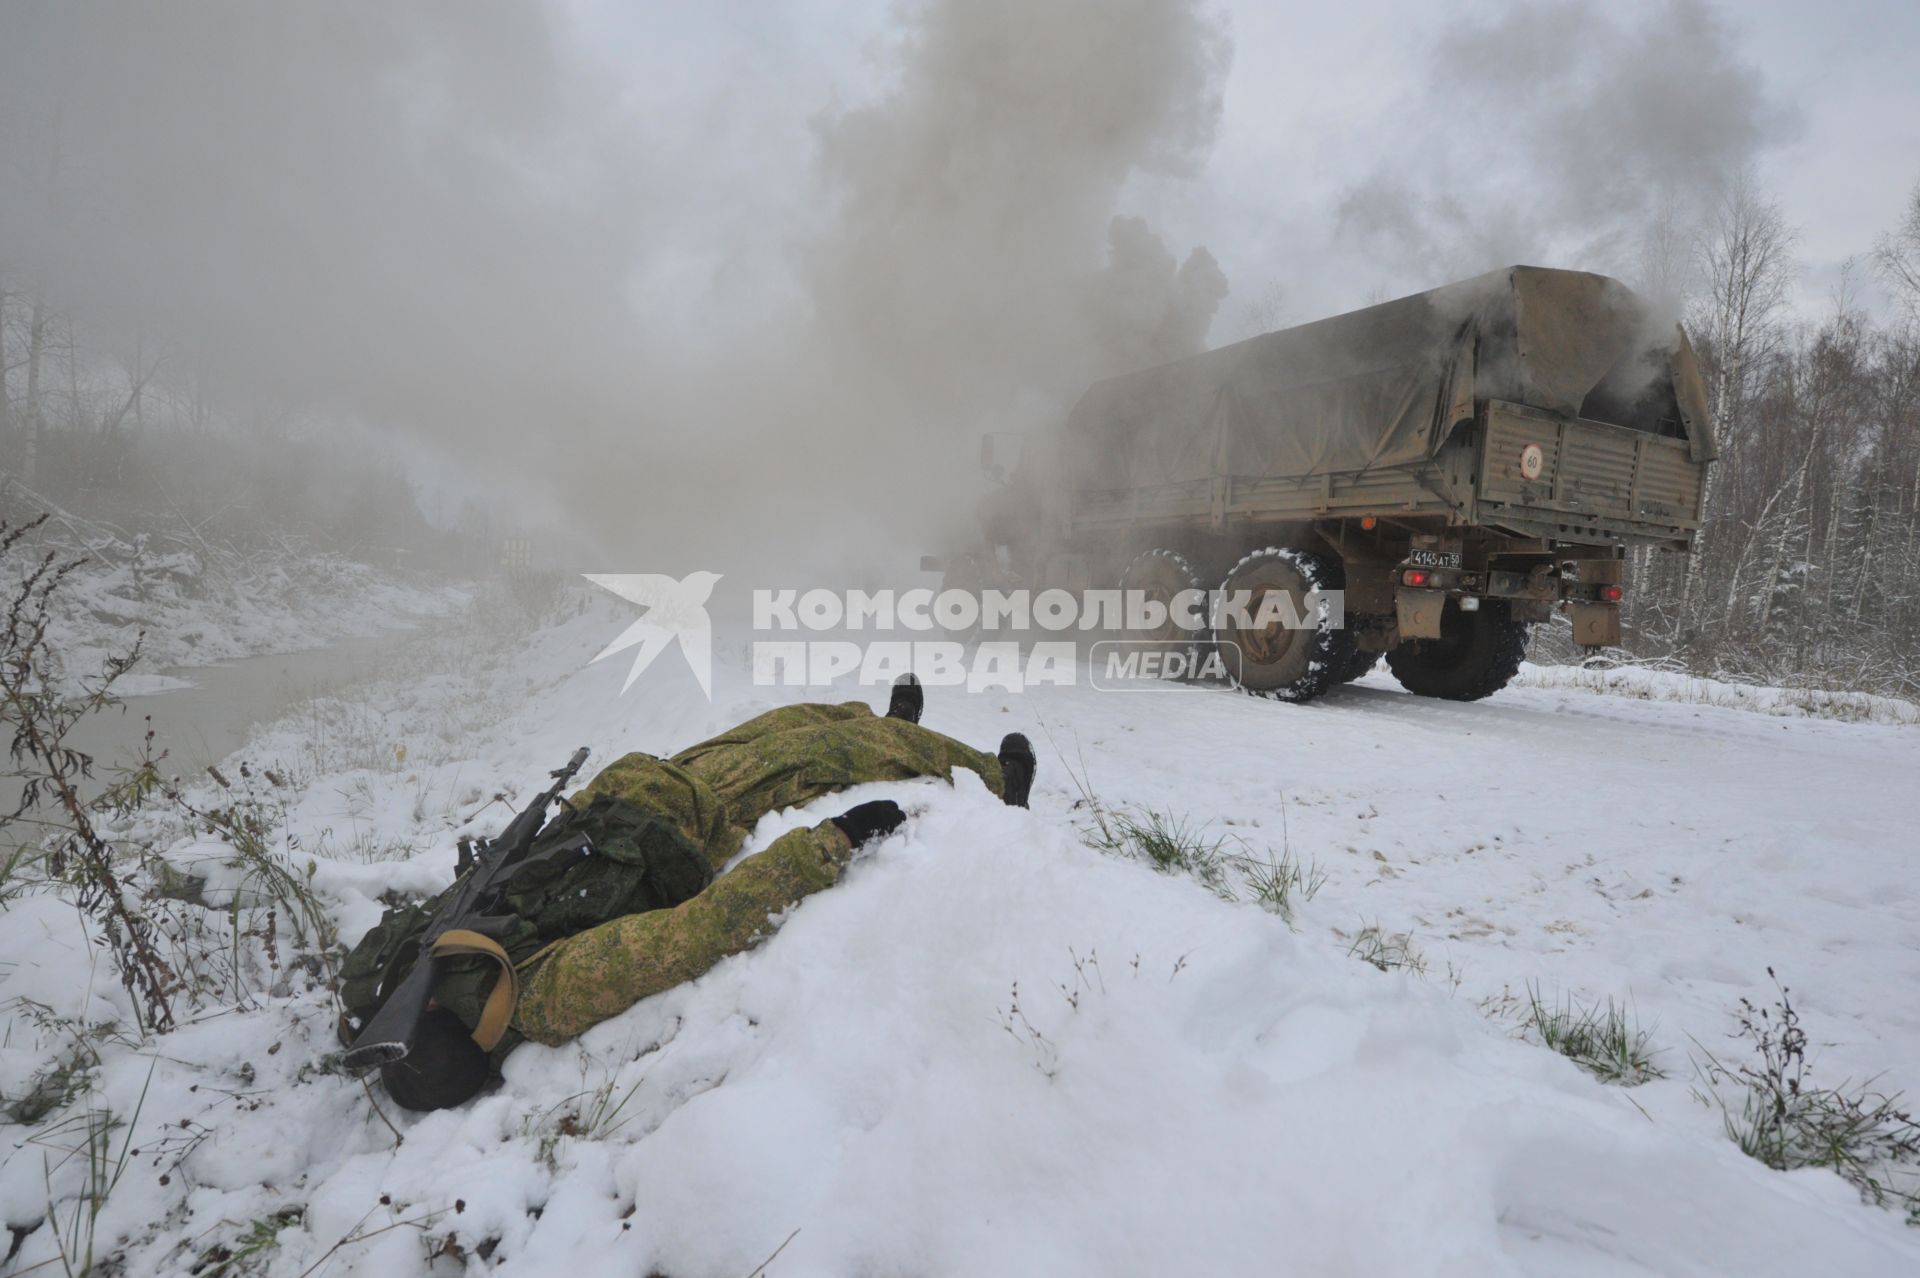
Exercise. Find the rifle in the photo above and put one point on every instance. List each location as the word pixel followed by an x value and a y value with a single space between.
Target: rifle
pixel 462 926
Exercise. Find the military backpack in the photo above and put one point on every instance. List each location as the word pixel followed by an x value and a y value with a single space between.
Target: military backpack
pixel 586 867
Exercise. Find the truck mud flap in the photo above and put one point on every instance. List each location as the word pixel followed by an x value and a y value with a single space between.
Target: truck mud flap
pixel 1419 612
pixel 1595 625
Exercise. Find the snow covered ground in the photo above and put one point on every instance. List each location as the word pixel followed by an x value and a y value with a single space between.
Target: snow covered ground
pixel 1663 685
pixel 996 1050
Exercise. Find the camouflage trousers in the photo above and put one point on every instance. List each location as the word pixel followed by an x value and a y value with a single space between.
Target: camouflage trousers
pixel 716 791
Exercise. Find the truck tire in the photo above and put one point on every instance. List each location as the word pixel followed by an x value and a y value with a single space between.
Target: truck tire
pixel 1161 575
pixel 1475 656
pixel 1277 661
pixel 1362 663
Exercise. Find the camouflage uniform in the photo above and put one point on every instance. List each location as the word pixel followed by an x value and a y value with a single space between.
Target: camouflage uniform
pixel 715 792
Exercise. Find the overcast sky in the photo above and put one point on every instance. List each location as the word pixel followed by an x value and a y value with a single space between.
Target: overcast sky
pixel 1318 89
pixel 1319 99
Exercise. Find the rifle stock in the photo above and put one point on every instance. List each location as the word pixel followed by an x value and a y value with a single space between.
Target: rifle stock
pixel 388 1034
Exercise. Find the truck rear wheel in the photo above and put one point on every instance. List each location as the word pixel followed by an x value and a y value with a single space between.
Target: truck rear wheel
pixel 1362 662
pixel 1474 657
pixel 1161 576
pixel 1279 660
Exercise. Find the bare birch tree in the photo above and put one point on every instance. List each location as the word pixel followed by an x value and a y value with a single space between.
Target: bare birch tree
pixel 1746 265
pixel 1898 255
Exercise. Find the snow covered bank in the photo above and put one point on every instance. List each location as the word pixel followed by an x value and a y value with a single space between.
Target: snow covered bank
pixel 1662 685
pixel 994 1050
pixel 195 609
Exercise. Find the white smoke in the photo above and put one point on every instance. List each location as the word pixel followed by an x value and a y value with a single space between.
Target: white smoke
pixel 474 225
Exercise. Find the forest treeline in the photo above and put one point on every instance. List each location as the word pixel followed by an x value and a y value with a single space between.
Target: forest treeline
pixel 1808 569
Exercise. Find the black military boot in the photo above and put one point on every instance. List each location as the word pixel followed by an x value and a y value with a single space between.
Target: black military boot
pixel 1016 769
pixel 909 699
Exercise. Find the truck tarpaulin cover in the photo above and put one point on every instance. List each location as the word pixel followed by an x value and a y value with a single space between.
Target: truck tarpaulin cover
pixel 1385 385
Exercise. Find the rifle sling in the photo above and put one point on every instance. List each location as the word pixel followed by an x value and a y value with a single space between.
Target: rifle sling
pixel 498 1012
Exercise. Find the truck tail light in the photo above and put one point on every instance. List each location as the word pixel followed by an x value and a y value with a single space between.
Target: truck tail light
pixel 1417 577
pixel 1612 594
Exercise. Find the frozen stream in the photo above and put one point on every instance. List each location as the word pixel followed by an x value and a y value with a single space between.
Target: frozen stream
pixel 205 722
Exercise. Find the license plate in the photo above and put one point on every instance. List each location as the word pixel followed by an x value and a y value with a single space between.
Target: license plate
pixel 1434 558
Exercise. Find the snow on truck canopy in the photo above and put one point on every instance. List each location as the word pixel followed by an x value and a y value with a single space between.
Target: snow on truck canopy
pixel 1384 386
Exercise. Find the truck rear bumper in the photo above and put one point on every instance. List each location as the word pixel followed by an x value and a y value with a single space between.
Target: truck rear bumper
pixel 1418 614
pixel 1588 588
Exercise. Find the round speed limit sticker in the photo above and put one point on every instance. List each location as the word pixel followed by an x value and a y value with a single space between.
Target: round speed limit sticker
pixel 1532 461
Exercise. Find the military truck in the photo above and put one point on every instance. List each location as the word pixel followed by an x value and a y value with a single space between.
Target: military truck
pixel 1458 463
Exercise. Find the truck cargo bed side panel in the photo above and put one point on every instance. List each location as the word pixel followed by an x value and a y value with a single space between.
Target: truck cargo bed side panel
pixel 1584 473
pixel 1421 489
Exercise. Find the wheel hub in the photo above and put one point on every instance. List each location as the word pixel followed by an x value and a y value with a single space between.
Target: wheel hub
pixel 1264 645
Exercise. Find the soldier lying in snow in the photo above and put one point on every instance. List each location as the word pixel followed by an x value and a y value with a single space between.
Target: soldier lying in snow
pixel 618 899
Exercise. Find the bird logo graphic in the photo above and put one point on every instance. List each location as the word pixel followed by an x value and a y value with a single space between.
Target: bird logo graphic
pixel 674 610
